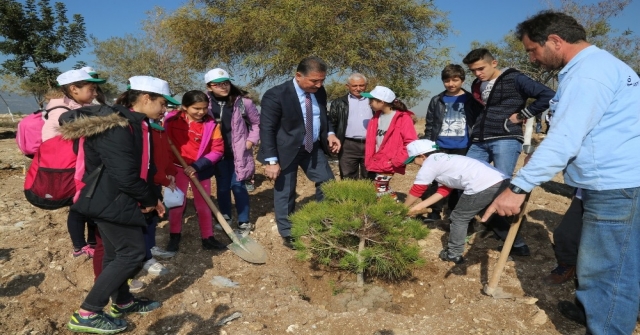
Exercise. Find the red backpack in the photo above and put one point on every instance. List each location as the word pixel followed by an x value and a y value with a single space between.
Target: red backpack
pixel 54 178
pixel 29 132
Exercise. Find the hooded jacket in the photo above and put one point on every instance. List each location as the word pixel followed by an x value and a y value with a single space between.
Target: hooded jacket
pixel 114 144
pixel 392 153
pixel 245 126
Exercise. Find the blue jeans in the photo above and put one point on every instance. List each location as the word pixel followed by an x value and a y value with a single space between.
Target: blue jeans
pixel 609 260
pixel 226 183
pixel 502 152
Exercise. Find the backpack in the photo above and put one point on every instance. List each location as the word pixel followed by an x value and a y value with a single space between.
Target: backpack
pixel 29 132
pixel 54 178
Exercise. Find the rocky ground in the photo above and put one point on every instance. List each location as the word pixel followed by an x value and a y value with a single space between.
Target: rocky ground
pixel 41 284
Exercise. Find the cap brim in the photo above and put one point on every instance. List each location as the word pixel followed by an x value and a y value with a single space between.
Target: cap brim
pixel 367 95
pixel 219 80
pixel 171 99
pixel 409 160
pixel 96 80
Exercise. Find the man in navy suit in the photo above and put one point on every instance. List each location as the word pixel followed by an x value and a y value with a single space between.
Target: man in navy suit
pixel 294 131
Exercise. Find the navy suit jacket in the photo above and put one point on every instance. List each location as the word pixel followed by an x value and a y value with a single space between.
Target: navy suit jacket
pixel 282 125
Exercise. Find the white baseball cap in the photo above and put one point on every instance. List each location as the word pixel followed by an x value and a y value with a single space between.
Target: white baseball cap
pixel 380 93
pixel 73 76
pixel 216 75
pixel 152 85
pixel 420 147
pixel 89 70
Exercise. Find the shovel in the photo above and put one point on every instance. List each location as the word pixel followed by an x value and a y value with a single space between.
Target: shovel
pixel 492 288
pixel 245 247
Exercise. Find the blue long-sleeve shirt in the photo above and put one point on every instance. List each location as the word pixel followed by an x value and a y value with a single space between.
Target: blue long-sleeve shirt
pixel 595 132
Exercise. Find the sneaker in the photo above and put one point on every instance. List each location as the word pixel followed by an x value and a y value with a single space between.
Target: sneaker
pixel 137 305
pixel 211 243
pixel 98 323
pixel 161 253
pixel 227 218
pixel 518 251
pixel 245 228
pixel 135 285
pixel 174 242
pixel 444 255
pixel 86 250
pixel 561 274
pixel 154 268
pixel 250 186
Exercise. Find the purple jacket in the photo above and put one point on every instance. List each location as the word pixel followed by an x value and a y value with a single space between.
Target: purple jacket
pixel 242 158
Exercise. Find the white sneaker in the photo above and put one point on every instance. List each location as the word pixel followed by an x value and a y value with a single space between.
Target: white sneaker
pixel 154 268
pixel 161 253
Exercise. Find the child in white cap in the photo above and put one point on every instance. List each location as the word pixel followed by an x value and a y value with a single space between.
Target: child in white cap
pixel 480 182
pixel 388 133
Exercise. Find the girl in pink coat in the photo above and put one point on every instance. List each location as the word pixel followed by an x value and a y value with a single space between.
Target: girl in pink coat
pixel 388 133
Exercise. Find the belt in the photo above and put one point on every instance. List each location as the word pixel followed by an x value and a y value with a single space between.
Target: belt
pixel 359 140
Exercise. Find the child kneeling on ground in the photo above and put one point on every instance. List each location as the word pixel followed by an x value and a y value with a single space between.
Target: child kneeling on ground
pixel 480 182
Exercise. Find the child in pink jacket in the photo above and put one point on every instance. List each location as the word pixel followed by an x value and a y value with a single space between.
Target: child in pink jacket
pixel 388 133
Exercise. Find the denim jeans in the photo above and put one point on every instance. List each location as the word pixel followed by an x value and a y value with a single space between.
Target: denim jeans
pixel 609 260
pixel 226 182
pixel 502 152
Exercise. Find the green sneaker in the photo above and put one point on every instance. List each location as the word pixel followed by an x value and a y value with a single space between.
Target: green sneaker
pixel 98 323
pixel 138 305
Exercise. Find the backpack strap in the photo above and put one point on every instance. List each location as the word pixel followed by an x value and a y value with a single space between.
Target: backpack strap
pixel 244 114
pixel 45 113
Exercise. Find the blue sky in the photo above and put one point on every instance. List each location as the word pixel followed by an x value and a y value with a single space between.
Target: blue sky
pixel 487 20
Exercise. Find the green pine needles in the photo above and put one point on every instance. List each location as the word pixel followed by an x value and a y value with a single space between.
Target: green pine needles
pixel 355 231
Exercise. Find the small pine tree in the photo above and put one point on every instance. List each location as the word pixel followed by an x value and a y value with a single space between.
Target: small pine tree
pixel 354 230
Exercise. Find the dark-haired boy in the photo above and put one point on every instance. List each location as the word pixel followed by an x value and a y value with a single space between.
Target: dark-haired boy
pixel 449 118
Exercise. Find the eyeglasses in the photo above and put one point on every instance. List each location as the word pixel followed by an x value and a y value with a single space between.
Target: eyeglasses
pixel 222 84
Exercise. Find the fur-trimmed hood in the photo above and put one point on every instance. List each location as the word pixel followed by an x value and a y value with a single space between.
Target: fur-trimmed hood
pixel 93 120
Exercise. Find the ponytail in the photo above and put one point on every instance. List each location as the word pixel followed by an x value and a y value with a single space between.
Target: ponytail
pixel 129 97
pixel 398 105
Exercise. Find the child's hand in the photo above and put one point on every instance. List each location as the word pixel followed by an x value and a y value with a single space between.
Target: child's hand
pixel 190 171
pixel 172 183
pixel 249 145
pixel 160 208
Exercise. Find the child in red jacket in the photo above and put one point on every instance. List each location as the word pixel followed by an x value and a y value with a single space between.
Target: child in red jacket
pixel 388 133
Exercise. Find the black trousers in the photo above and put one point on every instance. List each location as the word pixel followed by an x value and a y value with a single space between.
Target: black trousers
pixel 315 166
pixel 75 226
pixel 124 250
pixel 566 236
pixel 351 160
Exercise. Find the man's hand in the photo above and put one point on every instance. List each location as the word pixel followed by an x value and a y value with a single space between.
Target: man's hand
pixel 272 171
pixel 514 118
pixel 507 203
pixel 334 143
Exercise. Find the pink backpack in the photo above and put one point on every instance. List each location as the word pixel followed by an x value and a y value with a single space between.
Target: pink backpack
pixel 29 133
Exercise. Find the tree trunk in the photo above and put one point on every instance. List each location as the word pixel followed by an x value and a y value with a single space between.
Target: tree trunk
pixel 360 273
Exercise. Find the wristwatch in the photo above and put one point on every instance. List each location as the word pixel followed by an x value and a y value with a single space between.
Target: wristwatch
pixel 517 190
pixel 273 162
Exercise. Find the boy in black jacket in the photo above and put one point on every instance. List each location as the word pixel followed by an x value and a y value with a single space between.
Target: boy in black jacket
pixel 450 116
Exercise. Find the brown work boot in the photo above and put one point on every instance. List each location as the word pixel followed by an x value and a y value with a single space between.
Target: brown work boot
pixel 561 274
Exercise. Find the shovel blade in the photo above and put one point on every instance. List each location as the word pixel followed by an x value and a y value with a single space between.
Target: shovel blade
pixel 248 249
pixel 497 292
